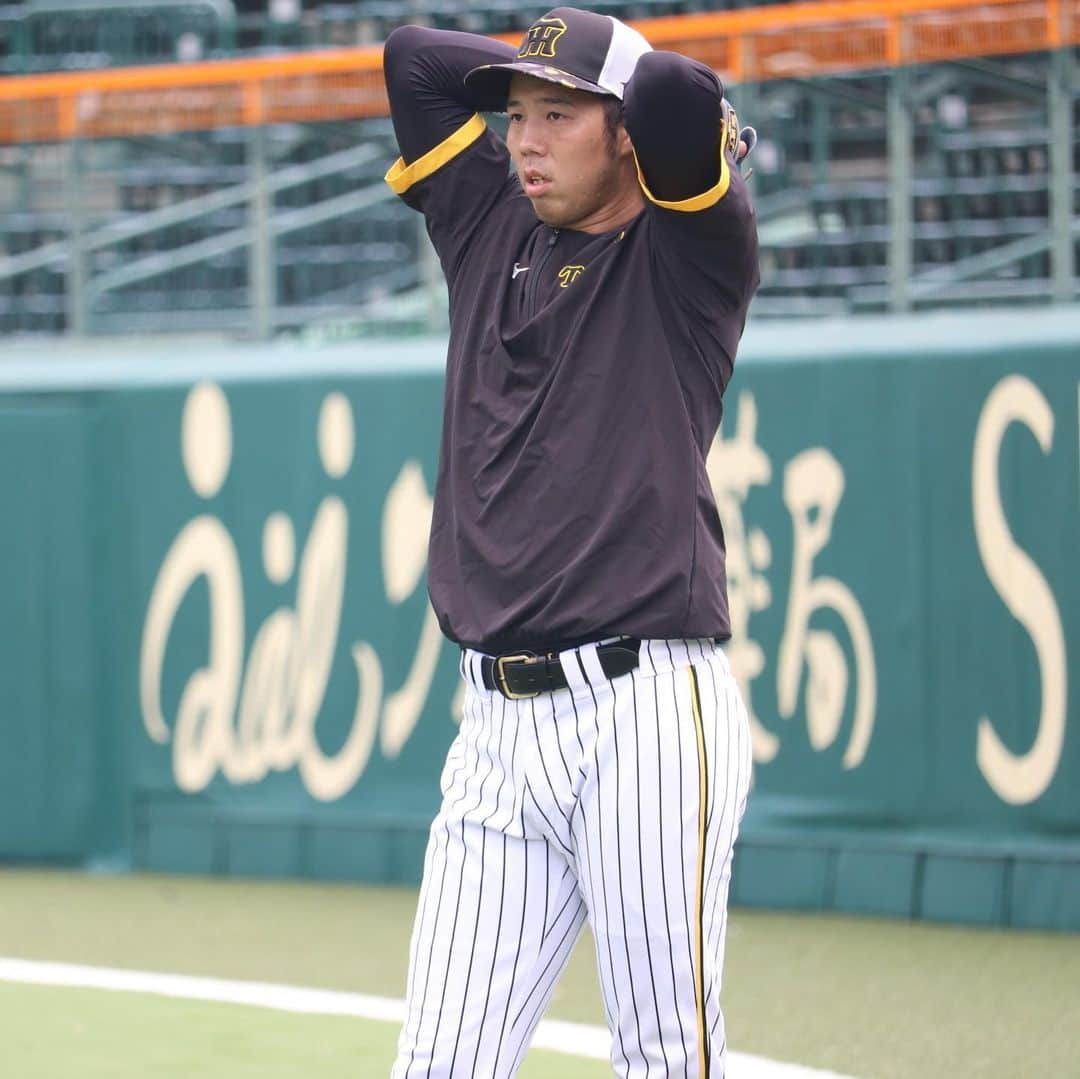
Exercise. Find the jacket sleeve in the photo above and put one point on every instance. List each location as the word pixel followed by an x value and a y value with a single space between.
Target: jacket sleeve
pixel 685 137
pixel 685 134
pixel 452 168
pixel 425 79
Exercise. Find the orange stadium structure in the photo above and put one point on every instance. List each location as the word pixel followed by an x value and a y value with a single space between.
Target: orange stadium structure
pixel 758 44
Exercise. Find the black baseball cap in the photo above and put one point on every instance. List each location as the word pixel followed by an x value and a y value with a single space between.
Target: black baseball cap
pixel 571 47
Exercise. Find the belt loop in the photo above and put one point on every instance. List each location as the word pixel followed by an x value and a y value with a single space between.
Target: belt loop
pixel 593 671
pixel 575 673
pixel 476 677
pixel 680 654
pixel 646 667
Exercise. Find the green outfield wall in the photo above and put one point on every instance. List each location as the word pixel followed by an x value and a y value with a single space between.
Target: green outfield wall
pixel 219 656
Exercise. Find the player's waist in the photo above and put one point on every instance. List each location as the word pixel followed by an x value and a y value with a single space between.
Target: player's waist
pixel 524 675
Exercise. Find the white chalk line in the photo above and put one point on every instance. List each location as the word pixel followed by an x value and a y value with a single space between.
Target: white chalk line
pixel 575 1039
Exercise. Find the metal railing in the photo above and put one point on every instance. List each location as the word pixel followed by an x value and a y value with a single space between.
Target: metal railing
pixel 109 264
pixel 40 35
pixel 752 45
pixel 894 258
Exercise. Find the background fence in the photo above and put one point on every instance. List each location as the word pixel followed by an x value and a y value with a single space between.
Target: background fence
pixel 221 657
pixel 913 155
pixel 187 521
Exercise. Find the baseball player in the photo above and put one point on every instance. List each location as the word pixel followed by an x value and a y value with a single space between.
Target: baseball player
pixel 600 264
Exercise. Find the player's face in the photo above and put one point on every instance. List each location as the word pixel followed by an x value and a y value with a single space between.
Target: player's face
pixel 574 173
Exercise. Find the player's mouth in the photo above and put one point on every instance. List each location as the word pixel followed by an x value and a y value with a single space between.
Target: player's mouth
pixel 535 183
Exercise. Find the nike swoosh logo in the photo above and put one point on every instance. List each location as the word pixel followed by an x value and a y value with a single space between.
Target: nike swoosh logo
pixel 517 269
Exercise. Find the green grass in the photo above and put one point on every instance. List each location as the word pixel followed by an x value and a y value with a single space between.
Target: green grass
pixel 91 1034
pixel 877 999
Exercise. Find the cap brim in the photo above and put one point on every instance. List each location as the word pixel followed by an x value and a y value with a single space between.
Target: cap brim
pixel 492 81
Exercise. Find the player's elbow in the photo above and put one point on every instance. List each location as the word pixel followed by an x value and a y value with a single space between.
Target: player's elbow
pixel 400 47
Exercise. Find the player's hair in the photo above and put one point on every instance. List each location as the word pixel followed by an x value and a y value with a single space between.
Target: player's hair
pixel 613 119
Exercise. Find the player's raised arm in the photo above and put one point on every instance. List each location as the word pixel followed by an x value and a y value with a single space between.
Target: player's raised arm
pixel 425 79
pixel 686 140
pixel 685 135
pixel 452 168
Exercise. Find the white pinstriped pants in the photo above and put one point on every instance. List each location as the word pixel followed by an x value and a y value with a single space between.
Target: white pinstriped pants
pixel 617 801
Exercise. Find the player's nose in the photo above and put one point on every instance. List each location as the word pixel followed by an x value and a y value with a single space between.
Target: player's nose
pixel 530 139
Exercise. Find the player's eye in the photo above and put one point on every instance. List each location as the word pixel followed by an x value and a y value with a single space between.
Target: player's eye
pixel 515 117
pixel 555 115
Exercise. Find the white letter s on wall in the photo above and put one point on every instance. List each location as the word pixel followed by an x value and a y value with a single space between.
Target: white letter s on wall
pixel 1018 778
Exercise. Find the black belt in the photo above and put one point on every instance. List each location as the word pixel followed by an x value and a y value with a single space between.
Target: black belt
pixel 528 674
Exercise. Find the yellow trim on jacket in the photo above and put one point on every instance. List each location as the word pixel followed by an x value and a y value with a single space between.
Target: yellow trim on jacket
pixel 401 177
pixel 716 192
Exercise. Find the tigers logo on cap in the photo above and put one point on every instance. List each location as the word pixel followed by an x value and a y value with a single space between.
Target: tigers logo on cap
pixel 575 48
pixel 542 37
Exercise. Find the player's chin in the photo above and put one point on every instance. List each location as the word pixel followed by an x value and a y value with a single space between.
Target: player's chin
pixel 547 213
pixel 542 201
pixel 551 211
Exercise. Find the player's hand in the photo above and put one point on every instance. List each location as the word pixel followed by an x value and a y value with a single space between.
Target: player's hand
pixel 741 144
pixel 747 141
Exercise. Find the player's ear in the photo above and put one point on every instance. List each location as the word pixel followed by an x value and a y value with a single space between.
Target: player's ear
pixel 623 146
